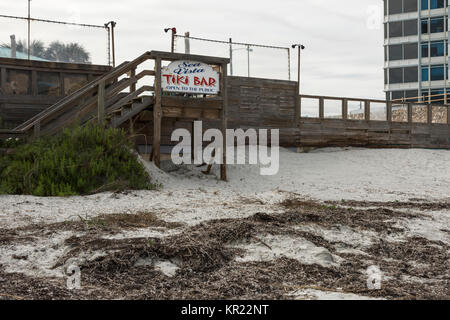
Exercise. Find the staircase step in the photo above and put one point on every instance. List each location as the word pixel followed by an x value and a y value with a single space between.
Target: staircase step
pixel 138 99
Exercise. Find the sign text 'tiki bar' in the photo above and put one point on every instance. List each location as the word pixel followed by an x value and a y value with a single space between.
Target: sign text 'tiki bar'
pixel 190 77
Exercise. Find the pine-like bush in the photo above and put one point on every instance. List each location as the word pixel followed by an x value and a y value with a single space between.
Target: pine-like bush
pixel 80 160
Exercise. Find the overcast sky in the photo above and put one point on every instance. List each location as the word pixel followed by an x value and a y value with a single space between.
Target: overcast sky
pixel 343 39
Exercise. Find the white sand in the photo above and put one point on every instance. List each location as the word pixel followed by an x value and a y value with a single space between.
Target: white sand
pixel 283 246
pixel 331 174
pixel 190 197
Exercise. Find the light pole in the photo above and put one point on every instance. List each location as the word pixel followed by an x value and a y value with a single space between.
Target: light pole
pixel 174 32
pixel 298 101
pixel 300 48
pixel 231 56
pixel 248 60
pixel 113 25
pixel 29 27
pixel 248 57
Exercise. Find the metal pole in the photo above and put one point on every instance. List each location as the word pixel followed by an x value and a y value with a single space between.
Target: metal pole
pixel 13 46
pixel 231 56
pixel 248 61
pixel 108 30
pixel 289 63
pixel 299 68
pixel 187 44
pixel 29 28
pixel 173 40
pixel 113 24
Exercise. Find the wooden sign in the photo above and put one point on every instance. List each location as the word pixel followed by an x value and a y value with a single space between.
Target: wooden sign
pixel 190 77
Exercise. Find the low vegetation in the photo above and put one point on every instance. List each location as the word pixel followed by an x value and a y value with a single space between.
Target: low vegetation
pixel 80 160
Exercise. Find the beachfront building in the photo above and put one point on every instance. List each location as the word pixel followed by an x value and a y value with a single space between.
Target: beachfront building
pixel 416 53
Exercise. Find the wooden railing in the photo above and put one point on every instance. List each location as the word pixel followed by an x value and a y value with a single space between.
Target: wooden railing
pixel 96 94
pixel 367 114
pixel 103 94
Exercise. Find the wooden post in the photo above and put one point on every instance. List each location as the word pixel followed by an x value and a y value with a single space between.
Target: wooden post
pixel 101 102
pixel 3 77
pixel 367 110
pixel 410 114
pixel 157 114
pixel 448 115
pixel 389 111
pixel 430 114
pixel 298 108
pixel 37 130
pixel 224 93
pixel 344 109
pixel 132 76
pixel 321 108
pixel 34 89
pixel 192 142
pixel 61 84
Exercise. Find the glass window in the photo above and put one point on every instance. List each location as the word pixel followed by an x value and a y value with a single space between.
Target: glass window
pixel 410 28
pixel 437 25
pixel 410 51
pixel 398 95
pixel 425 74
pixel 436 72
pixel 395 6
pixel 425 50
pixel 412 94
pixel 437 96
pixel 395 29
pixel 17 82
pixel 424 4
pixel 437 4
pixel 424 26
pixel 409 5
pixel 395 75
pixel 396 52
pixel 48 83
pixel 410 74
pixel 437 49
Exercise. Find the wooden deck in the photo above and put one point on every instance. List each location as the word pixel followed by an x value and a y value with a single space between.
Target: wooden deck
pixel 123 97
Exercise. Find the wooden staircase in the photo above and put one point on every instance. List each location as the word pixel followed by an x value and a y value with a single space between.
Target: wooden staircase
pixel 129 110
pixel 115 98
pixel 112 99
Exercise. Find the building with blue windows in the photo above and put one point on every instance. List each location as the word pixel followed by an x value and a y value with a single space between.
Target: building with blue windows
pixel 416 50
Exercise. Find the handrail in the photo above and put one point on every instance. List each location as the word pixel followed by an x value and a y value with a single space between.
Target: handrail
pixel 390 105
pixel 59 102
pixel 308 96
pixel 110 76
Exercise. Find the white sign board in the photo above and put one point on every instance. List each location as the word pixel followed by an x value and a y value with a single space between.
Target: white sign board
pixel 190 77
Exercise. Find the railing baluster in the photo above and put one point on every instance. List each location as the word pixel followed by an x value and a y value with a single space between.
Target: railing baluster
pixel 321 108
pixel 367 110
pixel 344 109
pixel 430 114
pixel 410 113
pixel 101 102
pixel 389 111
pixel 448 115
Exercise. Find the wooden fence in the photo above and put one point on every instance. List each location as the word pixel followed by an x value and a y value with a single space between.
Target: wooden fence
pixel 312 121
pixel 28 87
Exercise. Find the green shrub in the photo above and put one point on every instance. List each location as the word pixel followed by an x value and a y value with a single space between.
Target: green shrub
pixel 80 160
pixel 11 142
